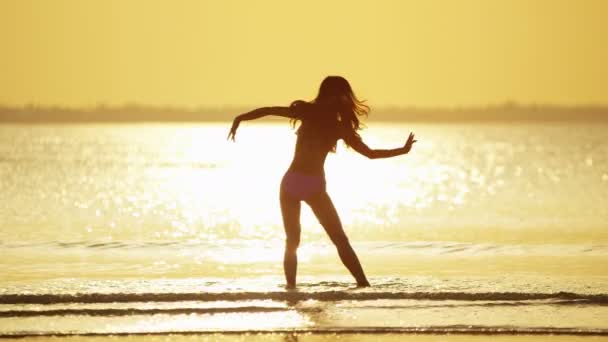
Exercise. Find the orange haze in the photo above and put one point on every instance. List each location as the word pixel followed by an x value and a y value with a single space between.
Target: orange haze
pixel 407 53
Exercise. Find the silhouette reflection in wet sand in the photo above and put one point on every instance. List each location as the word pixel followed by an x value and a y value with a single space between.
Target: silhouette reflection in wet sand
pixel 331 116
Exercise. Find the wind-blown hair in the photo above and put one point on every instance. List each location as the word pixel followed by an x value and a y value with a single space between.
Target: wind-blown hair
pixel 337 97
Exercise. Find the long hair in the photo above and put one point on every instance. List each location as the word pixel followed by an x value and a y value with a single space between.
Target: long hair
pixel 337 97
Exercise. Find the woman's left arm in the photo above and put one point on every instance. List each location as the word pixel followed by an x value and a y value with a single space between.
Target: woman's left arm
pixel 256 114
pixel 265 111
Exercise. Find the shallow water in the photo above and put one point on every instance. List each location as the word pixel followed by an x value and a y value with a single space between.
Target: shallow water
pixel 485 226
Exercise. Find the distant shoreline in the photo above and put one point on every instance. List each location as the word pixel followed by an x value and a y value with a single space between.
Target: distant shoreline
pixel 139 113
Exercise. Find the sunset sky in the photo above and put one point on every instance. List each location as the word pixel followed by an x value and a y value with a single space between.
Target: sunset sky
pixel 209 53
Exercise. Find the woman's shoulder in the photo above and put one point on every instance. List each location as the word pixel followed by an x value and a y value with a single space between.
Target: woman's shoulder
pixel 300 103
pixel 346 132
pixel 301 107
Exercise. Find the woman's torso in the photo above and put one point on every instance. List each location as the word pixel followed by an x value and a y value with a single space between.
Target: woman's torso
pixel 317 136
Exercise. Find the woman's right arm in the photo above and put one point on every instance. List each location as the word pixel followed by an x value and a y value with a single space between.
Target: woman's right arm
pixel 358 145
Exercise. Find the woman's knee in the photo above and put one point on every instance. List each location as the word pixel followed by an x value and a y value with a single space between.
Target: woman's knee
pixel 340 241
pixel 292 243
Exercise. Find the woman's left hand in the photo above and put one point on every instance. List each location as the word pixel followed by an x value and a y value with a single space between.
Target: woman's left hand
pixel 235 125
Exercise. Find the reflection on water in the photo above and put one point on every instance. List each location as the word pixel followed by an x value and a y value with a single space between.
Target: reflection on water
pixel 178 200
pixel 485 183
pixel 411 305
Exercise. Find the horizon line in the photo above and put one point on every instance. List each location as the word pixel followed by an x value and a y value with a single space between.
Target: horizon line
pixel 510 111
pixel 137 105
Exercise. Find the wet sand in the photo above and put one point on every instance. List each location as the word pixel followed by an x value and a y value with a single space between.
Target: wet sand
pixel 305 337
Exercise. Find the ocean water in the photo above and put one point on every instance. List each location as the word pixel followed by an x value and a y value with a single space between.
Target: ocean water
pixel 159 228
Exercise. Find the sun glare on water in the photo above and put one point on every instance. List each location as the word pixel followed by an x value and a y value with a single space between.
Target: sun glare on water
pixel 234 186
pixel 220 190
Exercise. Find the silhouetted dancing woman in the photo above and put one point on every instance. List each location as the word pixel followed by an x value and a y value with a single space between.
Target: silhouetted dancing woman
pixel 329 117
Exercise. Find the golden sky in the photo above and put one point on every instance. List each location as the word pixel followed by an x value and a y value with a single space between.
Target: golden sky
pixel 228 52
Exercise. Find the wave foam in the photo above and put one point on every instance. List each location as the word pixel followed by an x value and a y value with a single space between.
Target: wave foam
pixel 296 296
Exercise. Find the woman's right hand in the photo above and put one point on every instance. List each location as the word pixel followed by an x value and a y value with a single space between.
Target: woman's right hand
pixel 409 143
pixel 235 125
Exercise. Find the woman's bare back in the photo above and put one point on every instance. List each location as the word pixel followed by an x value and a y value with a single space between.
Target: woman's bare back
pixel 317 136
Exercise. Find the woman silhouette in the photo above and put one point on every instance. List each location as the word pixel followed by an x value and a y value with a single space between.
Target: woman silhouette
pixel 331 116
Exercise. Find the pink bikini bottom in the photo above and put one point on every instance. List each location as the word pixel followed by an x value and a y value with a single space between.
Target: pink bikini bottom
pixel 301 186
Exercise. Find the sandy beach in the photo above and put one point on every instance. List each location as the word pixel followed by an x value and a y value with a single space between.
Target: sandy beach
pixel 304 337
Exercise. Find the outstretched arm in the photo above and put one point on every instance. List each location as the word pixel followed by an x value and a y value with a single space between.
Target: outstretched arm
pixel 358 145
pixel 256 114
pixel 265 111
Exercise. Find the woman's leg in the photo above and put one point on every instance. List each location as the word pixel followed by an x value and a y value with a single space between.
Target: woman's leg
pixel 326 213
pixel 290 210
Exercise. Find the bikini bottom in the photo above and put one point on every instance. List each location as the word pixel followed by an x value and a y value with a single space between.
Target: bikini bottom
pixel 301 186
